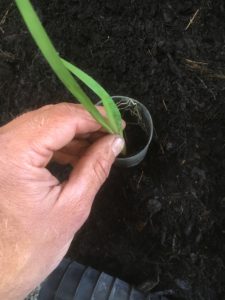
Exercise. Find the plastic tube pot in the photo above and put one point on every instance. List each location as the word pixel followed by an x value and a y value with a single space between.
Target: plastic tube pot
pixel 131 108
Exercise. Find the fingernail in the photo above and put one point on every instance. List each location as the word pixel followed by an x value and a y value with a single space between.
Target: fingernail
pixel 117 146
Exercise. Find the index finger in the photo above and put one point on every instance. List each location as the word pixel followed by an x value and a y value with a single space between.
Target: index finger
pixel 50 128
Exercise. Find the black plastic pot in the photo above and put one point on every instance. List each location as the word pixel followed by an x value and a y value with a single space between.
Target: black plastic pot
pixel 141 120
pixel 73 281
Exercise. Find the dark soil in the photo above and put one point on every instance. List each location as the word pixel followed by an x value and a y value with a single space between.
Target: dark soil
pixel 160 226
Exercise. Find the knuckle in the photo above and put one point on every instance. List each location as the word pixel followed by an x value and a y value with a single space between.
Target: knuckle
pixel 101 170
pixel 49 113
pixel 64 107
pixel 38 121
pixel 47 107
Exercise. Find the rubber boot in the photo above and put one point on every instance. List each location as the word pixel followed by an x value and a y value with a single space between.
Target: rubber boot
pixel 73 281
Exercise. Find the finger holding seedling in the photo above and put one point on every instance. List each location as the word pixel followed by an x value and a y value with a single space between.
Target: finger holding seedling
pixel 72 152
pixel 40 213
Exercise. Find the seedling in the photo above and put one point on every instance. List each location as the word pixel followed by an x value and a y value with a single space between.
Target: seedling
pixel 64 70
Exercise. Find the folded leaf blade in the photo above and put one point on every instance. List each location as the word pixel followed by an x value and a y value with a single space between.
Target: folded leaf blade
pixel 112 110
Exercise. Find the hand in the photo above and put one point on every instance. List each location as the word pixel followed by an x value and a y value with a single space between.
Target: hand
pixel 39 215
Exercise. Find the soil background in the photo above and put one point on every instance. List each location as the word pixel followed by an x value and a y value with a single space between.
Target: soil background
pixel 161 225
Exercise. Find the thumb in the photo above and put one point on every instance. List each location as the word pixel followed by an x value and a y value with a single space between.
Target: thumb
pixel 91 171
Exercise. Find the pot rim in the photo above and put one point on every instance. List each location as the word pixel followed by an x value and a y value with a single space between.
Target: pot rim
pixel 149 118
pixel 135 159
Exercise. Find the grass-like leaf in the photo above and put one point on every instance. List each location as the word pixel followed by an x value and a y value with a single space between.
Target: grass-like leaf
pixel 113 124
pixel 112 111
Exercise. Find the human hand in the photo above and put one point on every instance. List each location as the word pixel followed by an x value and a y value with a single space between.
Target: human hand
pixel 39 215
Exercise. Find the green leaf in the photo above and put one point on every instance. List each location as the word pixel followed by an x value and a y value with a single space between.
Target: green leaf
pixel 112 111
pixel 49 52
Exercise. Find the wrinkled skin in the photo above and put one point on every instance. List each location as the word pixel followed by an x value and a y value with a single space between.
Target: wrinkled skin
pixel 39 215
